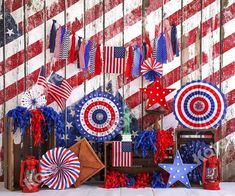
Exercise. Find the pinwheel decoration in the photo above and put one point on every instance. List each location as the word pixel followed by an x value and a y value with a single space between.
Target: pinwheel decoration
pixel 33 98
pixel 99 116
pixel 200 105
pixel 60 168
pixel 151 69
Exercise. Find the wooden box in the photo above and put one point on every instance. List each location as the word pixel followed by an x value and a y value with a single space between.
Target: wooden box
pixel 139 164
pixel 14 153
pixel 184 135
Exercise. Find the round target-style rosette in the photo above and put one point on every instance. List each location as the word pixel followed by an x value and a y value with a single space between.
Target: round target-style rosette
pixel 99 116
pixel 200 105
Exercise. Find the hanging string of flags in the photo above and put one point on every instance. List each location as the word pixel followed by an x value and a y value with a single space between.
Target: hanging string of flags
pixel 87 54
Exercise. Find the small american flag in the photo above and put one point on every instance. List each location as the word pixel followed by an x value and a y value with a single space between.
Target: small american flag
pixel 59 89
pixel 121 154
pixel 42 78
pixel 114 59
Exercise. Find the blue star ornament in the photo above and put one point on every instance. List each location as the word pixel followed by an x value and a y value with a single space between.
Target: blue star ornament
pixel 178 171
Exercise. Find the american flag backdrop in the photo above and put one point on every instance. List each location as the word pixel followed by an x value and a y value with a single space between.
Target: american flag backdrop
pixel 205 34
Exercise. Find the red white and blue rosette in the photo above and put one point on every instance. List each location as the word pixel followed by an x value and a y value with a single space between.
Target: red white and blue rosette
pixel 200 105
pixel 99 116
pixel 60 168
pixel 151 69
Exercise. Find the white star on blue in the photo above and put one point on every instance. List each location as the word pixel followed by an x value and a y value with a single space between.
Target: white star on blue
pixel 178 171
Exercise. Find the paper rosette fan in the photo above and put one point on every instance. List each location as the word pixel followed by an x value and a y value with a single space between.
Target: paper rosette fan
pixel 151 69
pixel 60 168
pixel 33 98
pixel 199 105
pixel 99 116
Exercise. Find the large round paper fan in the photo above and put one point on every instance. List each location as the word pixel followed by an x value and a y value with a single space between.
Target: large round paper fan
pixel 200 105
pixel 60 168
pixel 99 116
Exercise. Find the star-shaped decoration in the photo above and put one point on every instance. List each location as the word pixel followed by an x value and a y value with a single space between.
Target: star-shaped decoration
pixel 69 125
pixel 156 94
pixel 10 32
pixel 72 112
pixel 178 171
pixel 78 138
pixel 65 137
pixel 134 133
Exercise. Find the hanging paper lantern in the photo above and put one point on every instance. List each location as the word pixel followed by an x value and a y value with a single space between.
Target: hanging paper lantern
pixel 151 69
pixel 99 116
pixel 60 168
pixel 200 105
pixel 33 99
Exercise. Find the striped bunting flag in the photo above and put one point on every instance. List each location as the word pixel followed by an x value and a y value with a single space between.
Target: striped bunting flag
pixel 114 59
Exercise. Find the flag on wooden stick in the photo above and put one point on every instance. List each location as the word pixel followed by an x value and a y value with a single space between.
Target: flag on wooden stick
pixel 114 59
pixel 121 154
pixel 42 78
pixel 59 89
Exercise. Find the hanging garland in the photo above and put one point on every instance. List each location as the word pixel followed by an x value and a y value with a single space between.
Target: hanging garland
pixel 52 119
pixel 37 122
pixel 21 118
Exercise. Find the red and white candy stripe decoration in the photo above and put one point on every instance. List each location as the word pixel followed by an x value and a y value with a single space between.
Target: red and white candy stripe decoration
pixel 60 168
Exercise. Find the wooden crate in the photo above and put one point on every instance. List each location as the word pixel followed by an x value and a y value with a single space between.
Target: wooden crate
pixel 184 135
pixel 139 164
pixel 14 153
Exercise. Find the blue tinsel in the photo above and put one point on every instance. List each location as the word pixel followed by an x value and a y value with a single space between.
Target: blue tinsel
pixel 52 119
pixel 157 181
pixel 151 75
pixel 145 142
pixel 21 118
pixel 194 149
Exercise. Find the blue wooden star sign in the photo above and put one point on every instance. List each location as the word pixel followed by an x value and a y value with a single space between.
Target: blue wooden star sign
pixel 178 171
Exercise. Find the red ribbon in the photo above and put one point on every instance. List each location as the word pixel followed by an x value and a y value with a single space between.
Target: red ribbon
pixel 164 141
pixel 98 61
pixel 150 49
pixel 37 121
pixel 128 71
pixel 72 52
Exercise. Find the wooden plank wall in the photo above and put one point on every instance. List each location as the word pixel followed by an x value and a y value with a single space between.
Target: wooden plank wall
pixel 205 32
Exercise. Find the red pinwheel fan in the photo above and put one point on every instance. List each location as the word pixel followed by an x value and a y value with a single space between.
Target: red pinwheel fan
pixel 151 69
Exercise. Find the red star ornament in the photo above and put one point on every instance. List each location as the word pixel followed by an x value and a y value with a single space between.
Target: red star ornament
pixel 157 95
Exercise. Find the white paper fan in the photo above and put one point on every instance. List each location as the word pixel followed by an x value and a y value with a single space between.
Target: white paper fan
pixel 33 98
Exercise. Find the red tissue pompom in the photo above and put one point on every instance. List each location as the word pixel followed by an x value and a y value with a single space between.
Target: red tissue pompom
pixel 142 180
pixel 164 140
pixel 115 179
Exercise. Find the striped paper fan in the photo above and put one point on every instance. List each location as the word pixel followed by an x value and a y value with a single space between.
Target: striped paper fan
pixel 200 105
pixel 60 168
pixel 151 69
pixel 33 98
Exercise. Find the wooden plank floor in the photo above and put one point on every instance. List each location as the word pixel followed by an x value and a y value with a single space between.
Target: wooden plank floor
pixel 227 189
